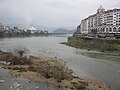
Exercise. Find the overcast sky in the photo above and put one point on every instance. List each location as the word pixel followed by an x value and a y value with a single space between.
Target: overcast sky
pixel 51 13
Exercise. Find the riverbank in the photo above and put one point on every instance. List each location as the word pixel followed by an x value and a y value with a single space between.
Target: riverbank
pixel 94 44
pixel 49 70
pixel 107 49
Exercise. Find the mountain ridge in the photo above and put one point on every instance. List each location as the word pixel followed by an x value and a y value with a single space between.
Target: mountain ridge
pixel 64 31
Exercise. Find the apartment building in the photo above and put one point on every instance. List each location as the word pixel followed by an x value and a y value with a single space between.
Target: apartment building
pixel 103 22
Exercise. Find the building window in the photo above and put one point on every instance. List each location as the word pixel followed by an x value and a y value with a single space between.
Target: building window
pixel 106 29
pixel 110 29
pixel 103 30
pixel 114 29
pixel 119 29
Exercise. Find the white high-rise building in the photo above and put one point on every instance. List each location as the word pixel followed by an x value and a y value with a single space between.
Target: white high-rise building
pixel 105 22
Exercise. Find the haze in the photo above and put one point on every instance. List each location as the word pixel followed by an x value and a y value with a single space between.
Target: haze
pixel 50 13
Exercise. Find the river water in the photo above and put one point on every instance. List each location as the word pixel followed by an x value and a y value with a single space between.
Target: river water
pixel 83 66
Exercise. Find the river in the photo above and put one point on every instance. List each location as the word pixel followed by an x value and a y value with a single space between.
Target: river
pixel 83 66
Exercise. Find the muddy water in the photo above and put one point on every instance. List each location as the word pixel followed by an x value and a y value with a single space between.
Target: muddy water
pixel 83 66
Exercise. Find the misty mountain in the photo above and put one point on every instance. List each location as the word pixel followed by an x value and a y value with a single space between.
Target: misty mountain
pixel 64 31
pixel 39 27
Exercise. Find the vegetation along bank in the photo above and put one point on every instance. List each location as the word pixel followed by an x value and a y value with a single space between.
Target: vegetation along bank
pixel 94 44
pixel 107 49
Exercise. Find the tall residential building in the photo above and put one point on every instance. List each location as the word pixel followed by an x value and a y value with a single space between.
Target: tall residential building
pixel 102 22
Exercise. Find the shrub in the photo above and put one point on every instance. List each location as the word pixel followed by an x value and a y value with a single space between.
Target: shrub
pixel 52 69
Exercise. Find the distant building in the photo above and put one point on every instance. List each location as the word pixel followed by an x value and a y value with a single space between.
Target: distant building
pixel 7 28
pixel 15 28
pixel 1 27
pixel 105 22
pixel 46 32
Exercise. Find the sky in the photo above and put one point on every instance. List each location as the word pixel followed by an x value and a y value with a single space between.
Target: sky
pixel 50 13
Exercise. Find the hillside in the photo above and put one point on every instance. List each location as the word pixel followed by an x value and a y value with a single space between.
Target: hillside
pixel 64 31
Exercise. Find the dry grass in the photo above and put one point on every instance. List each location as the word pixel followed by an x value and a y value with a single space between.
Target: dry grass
pixel 50 70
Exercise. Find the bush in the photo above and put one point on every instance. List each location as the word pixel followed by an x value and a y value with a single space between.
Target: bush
pixel 52 69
